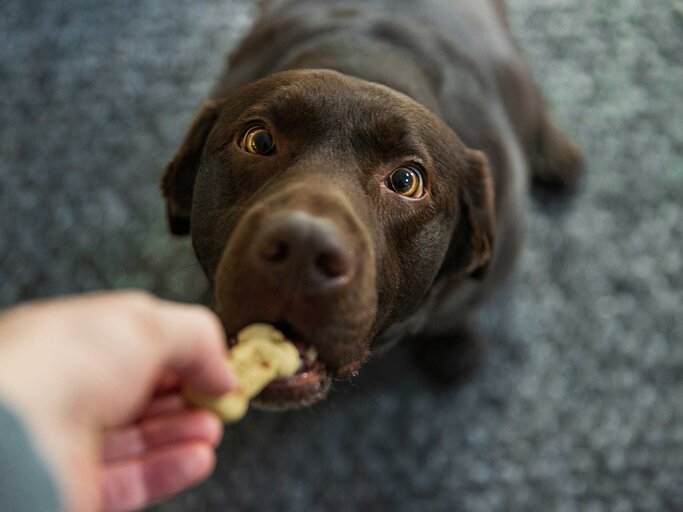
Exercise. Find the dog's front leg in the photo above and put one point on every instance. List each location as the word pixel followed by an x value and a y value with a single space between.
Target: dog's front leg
pixel 451 358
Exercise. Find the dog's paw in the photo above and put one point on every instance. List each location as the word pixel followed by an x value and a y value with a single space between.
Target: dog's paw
pixel 452 359
pixel 556 162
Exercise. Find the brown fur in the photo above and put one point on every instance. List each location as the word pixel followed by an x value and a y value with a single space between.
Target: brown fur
pixel 351 93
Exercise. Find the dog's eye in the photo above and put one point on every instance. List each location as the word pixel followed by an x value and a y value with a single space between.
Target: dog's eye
pixel 257 140
pixel 407 181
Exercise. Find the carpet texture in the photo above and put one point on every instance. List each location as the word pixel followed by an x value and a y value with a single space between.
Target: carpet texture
pixel 580 404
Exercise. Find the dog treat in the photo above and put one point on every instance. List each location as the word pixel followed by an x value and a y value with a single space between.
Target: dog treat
pixel 262 354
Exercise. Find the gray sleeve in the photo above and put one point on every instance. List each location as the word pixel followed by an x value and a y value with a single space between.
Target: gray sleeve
pixel 26 485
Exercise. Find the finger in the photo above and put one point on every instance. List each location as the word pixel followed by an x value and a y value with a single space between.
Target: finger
pixel 137 440
pixel 165 404
pixel 163 473
pixel 194 347
pixel 167 382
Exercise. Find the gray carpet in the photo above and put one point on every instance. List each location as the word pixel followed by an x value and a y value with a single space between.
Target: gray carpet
pixel 580 404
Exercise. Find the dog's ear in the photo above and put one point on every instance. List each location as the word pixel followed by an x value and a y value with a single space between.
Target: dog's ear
pixel 472 243
pixel 177 184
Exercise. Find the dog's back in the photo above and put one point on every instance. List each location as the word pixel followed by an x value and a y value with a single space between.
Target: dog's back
pixel 435 36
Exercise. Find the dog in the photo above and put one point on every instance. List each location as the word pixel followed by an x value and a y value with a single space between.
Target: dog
pixel 359 175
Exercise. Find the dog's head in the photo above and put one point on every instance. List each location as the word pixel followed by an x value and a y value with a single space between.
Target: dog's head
pixel 327 206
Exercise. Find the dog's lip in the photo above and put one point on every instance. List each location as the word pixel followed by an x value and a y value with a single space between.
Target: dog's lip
pixel 305 387
pixel 308 385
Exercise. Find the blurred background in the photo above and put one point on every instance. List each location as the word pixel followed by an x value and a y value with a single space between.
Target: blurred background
pixel 579 406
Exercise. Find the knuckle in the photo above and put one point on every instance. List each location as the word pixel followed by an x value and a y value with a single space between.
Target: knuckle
pixel 211 327
pixel 138 309
pixel 137 299
pixel 146 325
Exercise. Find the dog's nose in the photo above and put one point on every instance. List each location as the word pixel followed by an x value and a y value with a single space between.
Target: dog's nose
pixel 300 250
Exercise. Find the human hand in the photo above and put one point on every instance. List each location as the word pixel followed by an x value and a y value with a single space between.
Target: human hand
pixel 96 378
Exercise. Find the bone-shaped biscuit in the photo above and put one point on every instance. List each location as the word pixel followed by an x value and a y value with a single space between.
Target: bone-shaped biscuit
pixel 261 355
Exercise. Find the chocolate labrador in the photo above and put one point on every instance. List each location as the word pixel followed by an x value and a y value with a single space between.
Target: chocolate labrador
pixel 359 175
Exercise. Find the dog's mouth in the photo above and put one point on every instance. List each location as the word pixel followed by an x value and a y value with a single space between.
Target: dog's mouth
pixel 308 385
